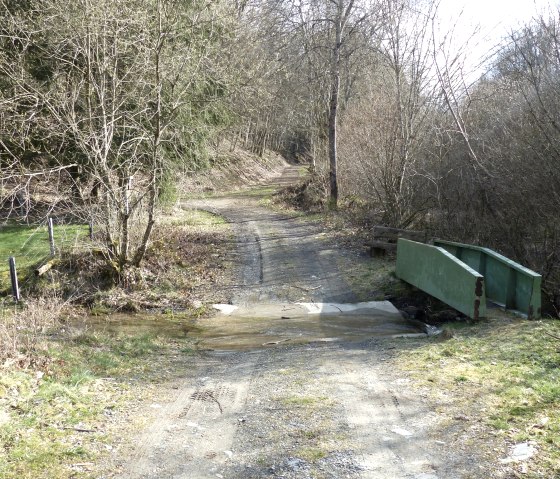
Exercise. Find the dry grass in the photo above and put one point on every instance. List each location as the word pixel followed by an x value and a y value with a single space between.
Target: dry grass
pixel 233 168
pixel 23 328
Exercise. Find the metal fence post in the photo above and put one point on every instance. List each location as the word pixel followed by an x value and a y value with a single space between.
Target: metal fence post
pixel 14 279
pixel 51 236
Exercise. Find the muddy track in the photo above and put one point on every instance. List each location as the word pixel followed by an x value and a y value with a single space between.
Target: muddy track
pixel 309 410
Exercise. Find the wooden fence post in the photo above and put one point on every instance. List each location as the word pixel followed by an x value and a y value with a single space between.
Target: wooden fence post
pixel 14 279
pixel 51 236
pixel 91 229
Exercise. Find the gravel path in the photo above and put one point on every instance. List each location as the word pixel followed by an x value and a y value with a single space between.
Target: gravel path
pixel 283 258
pixel 319 409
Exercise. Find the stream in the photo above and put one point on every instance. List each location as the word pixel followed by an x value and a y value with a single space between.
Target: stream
pixel 259 326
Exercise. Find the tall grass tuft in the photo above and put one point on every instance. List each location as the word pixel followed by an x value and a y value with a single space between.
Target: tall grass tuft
pixel 23 328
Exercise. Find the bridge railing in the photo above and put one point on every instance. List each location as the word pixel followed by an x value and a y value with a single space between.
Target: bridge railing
pixel 439 273
pixel 508 284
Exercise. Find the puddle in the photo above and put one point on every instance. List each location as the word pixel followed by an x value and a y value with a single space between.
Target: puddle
pixel 268 325
pixel 134 325
pixel 239 332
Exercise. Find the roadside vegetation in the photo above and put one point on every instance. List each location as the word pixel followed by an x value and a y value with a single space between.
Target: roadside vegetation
pixel 58 401
pixel 497 381
pixel 66 375
pixel 30 246
pixel 174 275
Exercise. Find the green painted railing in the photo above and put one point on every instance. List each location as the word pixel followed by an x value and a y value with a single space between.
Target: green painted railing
pixel 508 284
pixel 440 274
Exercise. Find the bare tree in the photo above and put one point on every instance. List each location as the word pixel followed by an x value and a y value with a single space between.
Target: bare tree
pixel 311 45
pixel 130 83
pixel 339 21
pixel 389 126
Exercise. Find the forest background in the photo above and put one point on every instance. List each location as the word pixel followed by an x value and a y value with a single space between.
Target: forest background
pixel 104 105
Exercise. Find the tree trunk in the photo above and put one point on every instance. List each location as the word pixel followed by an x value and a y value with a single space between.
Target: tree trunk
pixel 333 156
pixel 333 107
pixel 141 251
pixel 156 141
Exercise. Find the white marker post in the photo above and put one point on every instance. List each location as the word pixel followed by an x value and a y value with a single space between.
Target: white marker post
pixel 51 236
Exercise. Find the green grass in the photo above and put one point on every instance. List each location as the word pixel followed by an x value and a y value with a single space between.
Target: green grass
pixel 263 192
pixel 193 217
pixel 30 244
pixel 305 401
pixel 311 454
pixel 59 414
pixel 505 372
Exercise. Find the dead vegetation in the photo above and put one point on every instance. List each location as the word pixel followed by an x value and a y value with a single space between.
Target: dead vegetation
pixel 232 167
pixel 23 329
pixel 186 260
pixel 310 195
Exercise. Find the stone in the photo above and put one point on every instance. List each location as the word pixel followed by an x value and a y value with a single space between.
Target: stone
pixel 294 463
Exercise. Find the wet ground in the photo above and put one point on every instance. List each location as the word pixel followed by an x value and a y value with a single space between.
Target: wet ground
pixel 258 326
pixel 265 325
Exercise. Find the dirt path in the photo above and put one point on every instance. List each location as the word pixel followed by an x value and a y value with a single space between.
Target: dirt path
pixel 284 259
pixel 318 409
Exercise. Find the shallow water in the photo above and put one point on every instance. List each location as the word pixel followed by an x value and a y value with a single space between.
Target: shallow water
pixel 261 326
pixel 133 325
pixel 233 332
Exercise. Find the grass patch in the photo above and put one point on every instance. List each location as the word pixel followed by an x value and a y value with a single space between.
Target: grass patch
pixel 311 454
pixel 304 401
pixel 371 279
pixel 30 245
pixel 505 372
pixel 309 435
pixel 22 329
pixel 188 259
pixel 56 418
pixel 190 217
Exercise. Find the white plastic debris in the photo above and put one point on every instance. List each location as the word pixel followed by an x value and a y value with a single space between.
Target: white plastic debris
pixel 401 432
pixel 520 452
pixel 226 309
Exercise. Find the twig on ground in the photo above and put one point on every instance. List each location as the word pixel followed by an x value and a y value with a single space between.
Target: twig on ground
pixel 306 289
pixel 271 343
